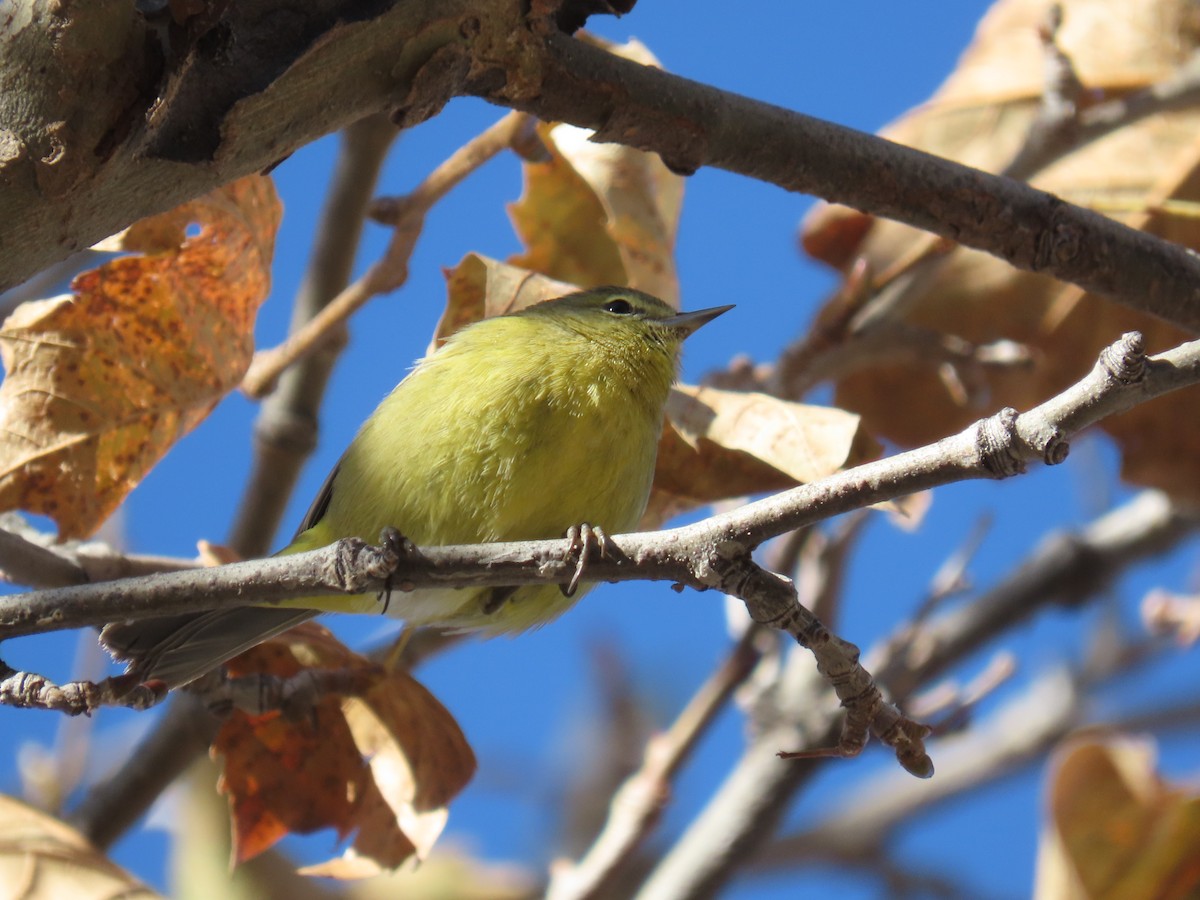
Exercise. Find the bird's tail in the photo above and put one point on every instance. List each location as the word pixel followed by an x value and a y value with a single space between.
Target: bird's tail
pixel 179 649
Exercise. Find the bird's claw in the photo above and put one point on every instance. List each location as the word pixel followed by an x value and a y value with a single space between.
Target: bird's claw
pixel 582 539
pixel 399 546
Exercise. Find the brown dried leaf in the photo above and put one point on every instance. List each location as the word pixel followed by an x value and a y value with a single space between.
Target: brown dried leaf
pixel 480 287
pixel 981 116
pixel 384 763
pixel 100 384
pixel 41 858
pixel 719 444
pixel 597 214
pixel 1115 829
pixel 805 442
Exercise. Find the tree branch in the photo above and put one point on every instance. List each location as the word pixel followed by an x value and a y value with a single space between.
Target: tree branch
pixel 222 108
pixel 692 125
pixel 711 553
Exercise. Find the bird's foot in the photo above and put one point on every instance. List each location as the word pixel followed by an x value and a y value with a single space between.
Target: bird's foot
pixel 582 539
pixel 391 540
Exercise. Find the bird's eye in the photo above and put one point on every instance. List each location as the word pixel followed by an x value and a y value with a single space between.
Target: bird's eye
pixel 619 307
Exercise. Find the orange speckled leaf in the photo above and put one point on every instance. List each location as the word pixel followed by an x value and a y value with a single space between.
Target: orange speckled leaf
pixel 1114 828
pixel 384 763
pixel 981 116
pixel 100 384
pixel 598 214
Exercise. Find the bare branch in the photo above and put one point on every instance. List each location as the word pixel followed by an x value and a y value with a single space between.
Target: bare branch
pixel 712 553
pixel 638 804
pixel 26 689
pixel 407 216
pixel 692 125
pixel 24 562
pixel 1179 91
pixel 197 136
pixel 1022 730
pixel 743 813
pixel 1064 569
pixel 285 433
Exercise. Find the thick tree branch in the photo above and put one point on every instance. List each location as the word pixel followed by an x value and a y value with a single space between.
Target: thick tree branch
pixel 693 125
pixel 220 108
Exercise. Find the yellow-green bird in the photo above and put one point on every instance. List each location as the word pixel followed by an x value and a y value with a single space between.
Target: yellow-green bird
pixel 518 428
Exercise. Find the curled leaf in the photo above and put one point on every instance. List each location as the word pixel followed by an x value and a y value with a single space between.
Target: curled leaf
pixel 382 764
pixel 479 288
pixel 597 213
pixel 1114 828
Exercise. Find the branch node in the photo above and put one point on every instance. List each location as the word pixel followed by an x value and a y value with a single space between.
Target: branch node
pixel 995 439
pixel 32 691
pixel 1057 448
pixel 1125 360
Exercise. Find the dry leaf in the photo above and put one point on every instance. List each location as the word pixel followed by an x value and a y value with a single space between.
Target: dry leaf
pixel 43 859
pixel 719 444
pixel 980 116
pixel 100 384
pixel 479 288
pixel 596 214
pixel 805 442
pixel 1115 830
pixel 384 764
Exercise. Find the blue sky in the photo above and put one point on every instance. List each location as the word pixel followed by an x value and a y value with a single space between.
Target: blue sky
pixel 526 703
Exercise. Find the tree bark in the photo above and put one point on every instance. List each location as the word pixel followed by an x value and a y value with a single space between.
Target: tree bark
pixel 134 118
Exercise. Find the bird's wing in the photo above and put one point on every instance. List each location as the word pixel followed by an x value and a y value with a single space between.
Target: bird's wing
pixel 320 504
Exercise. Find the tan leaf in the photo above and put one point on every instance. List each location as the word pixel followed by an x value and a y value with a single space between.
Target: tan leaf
pixel 480 287
pixel 803 441
pixel 100 384
pixel 384 763
pixel 981 116
pixel 1115 829
pixel 719 444
pixel 597 214
pixel 43 859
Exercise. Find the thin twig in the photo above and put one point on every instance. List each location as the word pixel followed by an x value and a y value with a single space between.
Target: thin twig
pixel 1057 121
pixel 950 578
pixel 407 215
pixel 33 691
pixel 637 806
pixel 30 557
pixel 743 813
pixel 1180 90
pixel 1065 568
pixel 24 562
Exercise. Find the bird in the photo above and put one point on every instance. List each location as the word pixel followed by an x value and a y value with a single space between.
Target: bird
pixel 522 426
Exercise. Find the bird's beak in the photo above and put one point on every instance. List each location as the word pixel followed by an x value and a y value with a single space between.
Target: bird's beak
pixel 687 322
